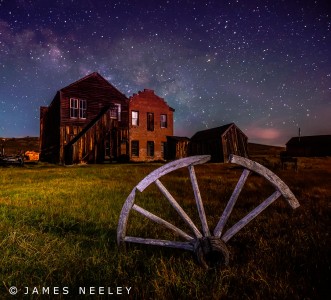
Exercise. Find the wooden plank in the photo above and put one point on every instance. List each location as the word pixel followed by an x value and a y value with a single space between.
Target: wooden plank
pixel 198 201
pixel 270 176
pixel 163 243
pixel 169 167
pixel 161 221
pixel 254 213
pixel 229 207
pixel 178 208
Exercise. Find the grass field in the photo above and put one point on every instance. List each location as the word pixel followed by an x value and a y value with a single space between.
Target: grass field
pixel 58 229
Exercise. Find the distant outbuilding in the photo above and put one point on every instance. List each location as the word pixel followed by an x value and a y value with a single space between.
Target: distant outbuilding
pixel 177 147
pixel 317 145
pixel 219 142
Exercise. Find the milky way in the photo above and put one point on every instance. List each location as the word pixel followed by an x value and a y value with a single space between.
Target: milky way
pixel 264 65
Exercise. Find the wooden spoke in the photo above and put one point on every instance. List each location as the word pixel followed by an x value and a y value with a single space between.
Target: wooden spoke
pixel 209 249
pixel 254 213
pixel 159 220
pixel 229 207
pixel 178 208
pixel 164 243
pixel 199 203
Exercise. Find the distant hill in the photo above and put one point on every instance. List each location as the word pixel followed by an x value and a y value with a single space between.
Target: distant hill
pixel 13 146
pixel 264 150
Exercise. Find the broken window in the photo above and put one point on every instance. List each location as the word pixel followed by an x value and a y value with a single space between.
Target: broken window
pixel 164 121
pixel 163 147
pixel 115 111
pixel 135 148
pixel 150 148
pixel 150 121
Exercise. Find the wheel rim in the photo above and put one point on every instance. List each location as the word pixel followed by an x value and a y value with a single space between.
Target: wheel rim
pixel 210 249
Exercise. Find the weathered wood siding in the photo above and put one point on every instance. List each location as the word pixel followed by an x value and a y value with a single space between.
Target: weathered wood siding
pixel 92 144
pixel 177 147
pixel 219 142
pixel 58 129
pixel 234 142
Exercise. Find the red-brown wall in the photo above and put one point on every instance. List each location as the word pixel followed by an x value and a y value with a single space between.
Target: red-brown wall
pixel 148 102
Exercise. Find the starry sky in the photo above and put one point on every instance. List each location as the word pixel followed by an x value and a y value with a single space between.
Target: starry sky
pixel 264 65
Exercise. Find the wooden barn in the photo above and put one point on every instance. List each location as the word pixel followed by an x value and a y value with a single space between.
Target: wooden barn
pixel 219 142
pixel 177 147
pixel 87 121
pixel 318 145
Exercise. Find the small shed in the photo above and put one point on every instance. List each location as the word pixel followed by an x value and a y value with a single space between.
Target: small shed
pixel 219 142
pixel 177 147
pixel 317 145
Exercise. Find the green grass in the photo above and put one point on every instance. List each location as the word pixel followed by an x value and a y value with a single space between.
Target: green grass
pixel 58 229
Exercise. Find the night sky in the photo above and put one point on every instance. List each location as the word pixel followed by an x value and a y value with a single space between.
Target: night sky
pixel 264 65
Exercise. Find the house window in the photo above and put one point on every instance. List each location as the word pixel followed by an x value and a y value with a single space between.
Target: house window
pixel 150 148
pixel 82 109
pixel 164 121
pixel 135 118
pixel 73 108
pixel 135 148
pixel 115 111
pixel 77 108
pixel 150 121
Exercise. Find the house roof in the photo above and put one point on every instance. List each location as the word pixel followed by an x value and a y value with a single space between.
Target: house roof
pixel 310 140
pixel 212 133
pixel 94 75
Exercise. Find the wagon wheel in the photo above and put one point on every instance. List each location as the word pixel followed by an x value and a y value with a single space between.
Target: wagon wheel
pixel 210 249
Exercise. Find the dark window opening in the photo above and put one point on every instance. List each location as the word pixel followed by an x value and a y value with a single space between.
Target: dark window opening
pixel 135 148
pixel 150 148
pixel 164 121
pixel 150 121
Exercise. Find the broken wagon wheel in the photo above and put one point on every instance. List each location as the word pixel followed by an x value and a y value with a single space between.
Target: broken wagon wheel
pixel 209 249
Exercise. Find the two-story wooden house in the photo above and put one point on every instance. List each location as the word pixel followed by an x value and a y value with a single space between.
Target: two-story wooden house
pixel 86 121
pixel 150 122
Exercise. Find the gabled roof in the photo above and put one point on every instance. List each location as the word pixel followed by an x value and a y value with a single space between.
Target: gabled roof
pixel 310 140
pixel 97 76
pixel 212 133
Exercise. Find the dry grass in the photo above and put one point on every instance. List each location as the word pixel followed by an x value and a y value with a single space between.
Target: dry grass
pixel 58 228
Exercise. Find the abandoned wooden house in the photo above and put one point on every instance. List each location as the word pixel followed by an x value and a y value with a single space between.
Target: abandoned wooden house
pixel 150 122
pixel 91 121
pixel 219 142
pixel 86 121
pixel 318 145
